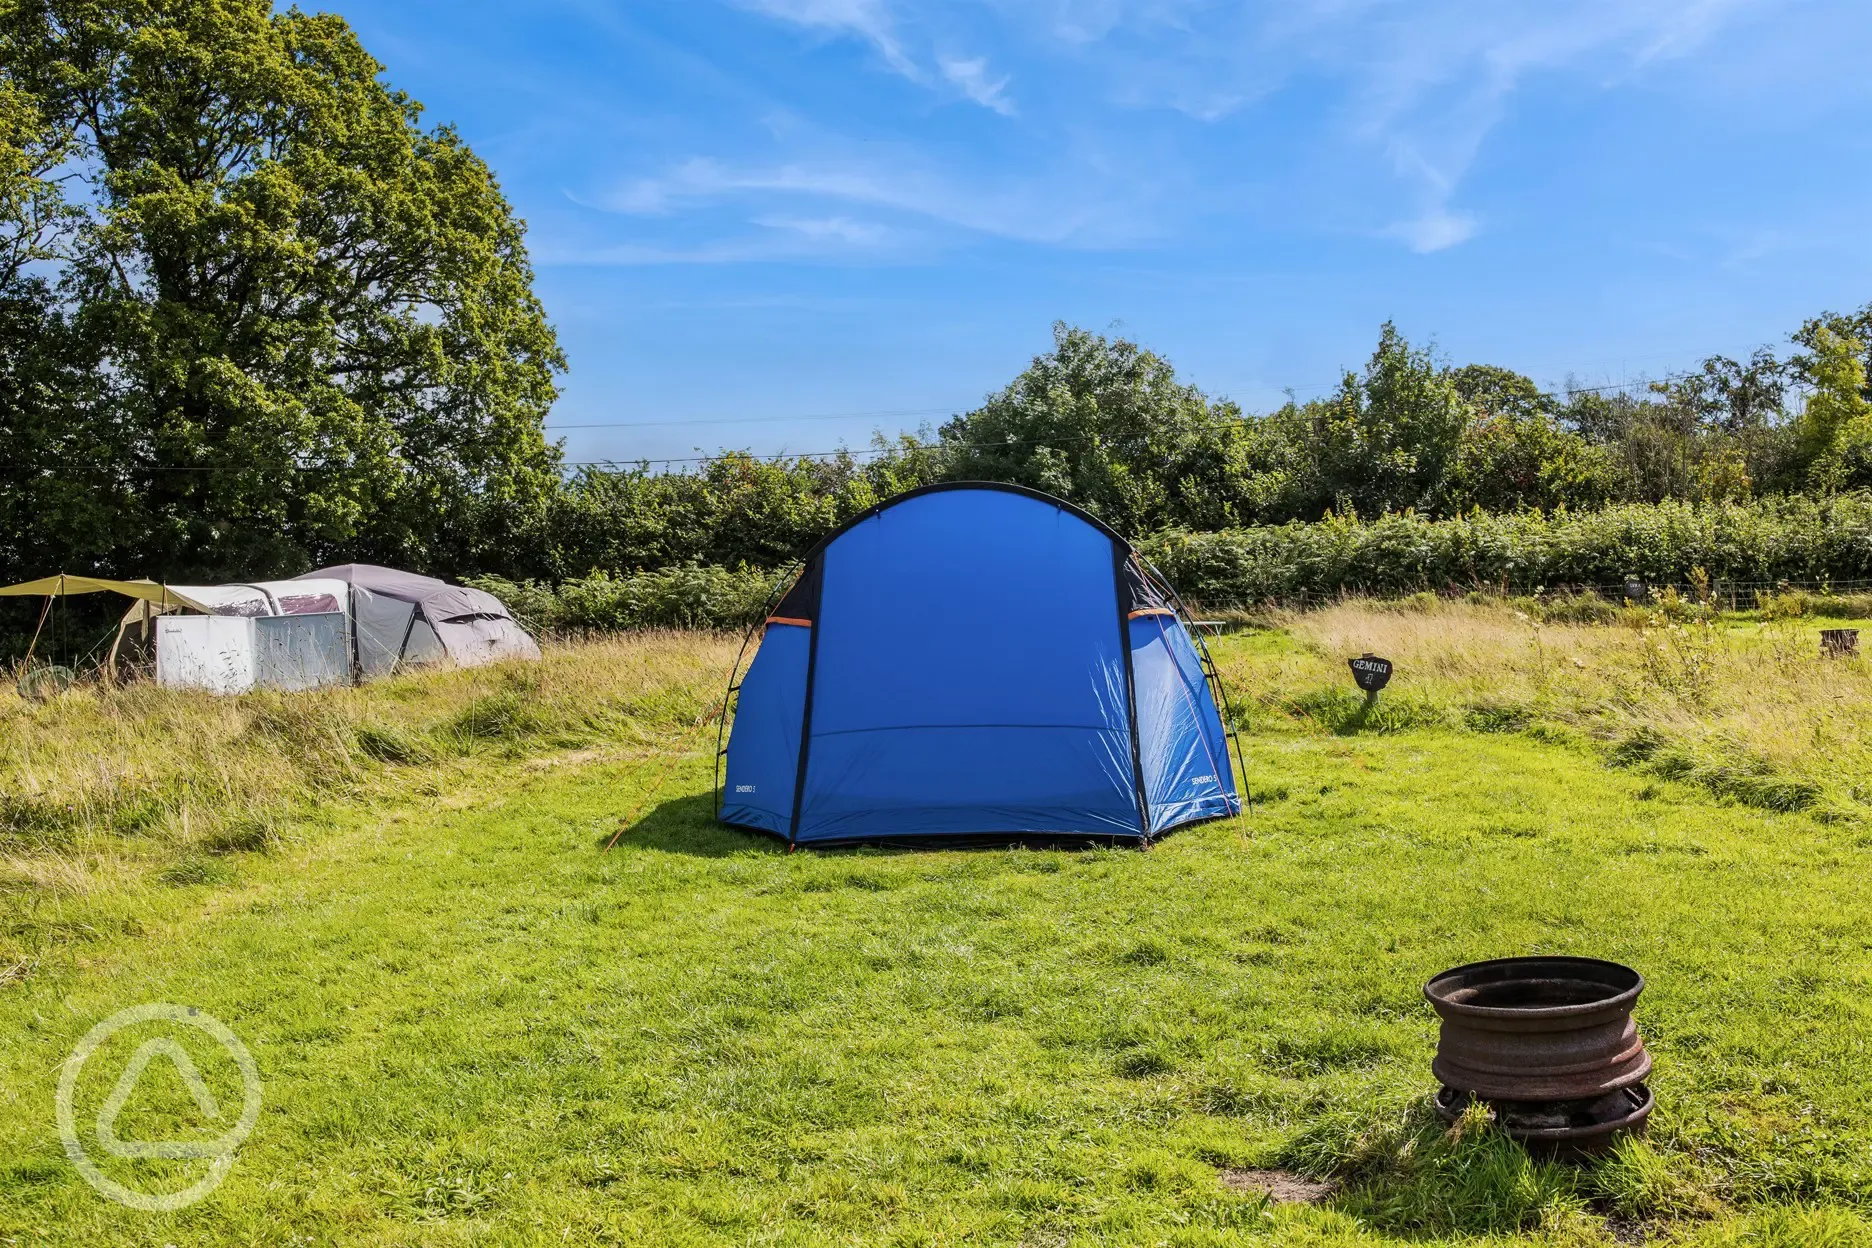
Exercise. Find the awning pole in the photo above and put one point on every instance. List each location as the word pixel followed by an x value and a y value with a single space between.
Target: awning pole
pixel 34 643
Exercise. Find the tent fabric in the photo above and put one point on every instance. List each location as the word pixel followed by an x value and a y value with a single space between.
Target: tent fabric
pixel 439 599
pixel 380 629
pixel 1181 740
pixel 252 598
pixel 975 661
pixel 403 618
pixel 269 598
pixel 59 585
pixel 258 599
pixel 499 636
pixel 255 599
pixel 763 753
pixel 391 617
pixel 234 652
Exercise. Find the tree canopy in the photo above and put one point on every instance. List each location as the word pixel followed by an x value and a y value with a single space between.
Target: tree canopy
pixel 253 310
pixel 256 314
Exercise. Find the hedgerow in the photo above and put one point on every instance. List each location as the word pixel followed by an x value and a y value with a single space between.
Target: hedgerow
pixel 682 597
pixel 1756 543
pixel 1733 548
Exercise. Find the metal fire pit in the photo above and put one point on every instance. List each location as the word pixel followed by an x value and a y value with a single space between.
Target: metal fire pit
pixel 1549 1043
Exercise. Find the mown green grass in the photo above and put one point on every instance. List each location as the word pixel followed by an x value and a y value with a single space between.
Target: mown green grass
pixel 106 791
pixel 477 1027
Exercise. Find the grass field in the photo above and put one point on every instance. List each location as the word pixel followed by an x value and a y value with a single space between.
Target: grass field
pixel 475 1026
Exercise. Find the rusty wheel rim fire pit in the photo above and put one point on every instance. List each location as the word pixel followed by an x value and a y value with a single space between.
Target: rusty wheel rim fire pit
pixel 1549 1043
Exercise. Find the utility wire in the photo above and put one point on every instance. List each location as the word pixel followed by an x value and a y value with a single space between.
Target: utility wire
pixel 758 420
pixel 616 462
pixel 955 409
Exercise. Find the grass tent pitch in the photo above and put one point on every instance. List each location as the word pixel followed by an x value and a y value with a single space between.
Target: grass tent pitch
pixel 982 661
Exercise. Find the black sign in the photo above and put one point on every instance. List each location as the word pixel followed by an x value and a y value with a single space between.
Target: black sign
pixel 1371 672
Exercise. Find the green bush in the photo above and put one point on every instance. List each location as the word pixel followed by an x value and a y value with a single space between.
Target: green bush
pixel 1841 606
pixel 1765 541
pixel 1787 604
pixel 1585 607
pixel 1576 564
pixel 683 597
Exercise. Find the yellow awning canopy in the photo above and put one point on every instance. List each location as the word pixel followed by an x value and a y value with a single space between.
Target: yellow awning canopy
pixel 60 585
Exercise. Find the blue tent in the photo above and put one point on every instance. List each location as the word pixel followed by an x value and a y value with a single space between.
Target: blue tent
pixel 975 660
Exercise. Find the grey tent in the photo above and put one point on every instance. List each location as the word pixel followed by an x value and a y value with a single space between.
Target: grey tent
pixel 399 619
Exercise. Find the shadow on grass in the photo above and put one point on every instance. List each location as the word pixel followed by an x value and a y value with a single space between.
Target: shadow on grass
pixel 1345 714
pixel 687 825
pixel 1412 1177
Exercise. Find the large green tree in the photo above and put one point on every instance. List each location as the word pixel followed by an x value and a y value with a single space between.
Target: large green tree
pixel 1834 432
pixel 308 319
pixel 1106 424
pixel 1514 453
pixel 60 492
pixel 1388 440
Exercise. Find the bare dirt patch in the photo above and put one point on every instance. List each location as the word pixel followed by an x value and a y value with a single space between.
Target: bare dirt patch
pixel 1627 1230
pixel 1283 1187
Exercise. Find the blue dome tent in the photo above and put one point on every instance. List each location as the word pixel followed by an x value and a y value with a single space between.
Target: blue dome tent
pixel 975 661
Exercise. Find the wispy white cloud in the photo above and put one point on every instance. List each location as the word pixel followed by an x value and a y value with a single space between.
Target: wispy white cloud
pixel 778 240
pixel 892 183
pixel 1419 86
pixel 875 22
pixel 1400 101
pixel 1436 230
pixel 1438 82
pixel 629 255
pixel 840 230
pixel 701 178
pixel 972 78
pixel 869 20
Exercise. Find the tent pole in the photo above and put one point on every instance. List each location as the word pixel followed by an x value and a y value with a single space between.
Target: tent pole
pixel 149 629
pixel 39 628
pixel 403 648
pixel 357 667
pixel 1119 552
pixel 1215 676
pixel 805 736
pixel 1190 701
pixel 721 724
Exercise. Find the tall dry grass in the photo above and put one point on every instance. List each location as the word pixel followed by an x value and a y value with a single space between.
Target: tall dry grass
pixel 1750 710
pixel 98 779
pixel 100 787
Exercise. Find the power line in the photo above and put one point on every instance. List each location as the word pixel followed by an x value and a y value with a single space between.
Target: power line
pixel 958 408
pixel 794 455
pixel 760 420
pixel 784 455
pixel 633 461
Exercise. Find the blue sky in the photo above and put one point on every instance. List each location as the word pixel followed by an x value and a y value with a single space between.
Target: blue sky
pixel 824 217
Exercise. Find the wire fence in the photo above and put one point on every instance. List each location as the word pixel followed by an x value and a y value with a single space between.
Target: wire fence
pixel 1732 595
